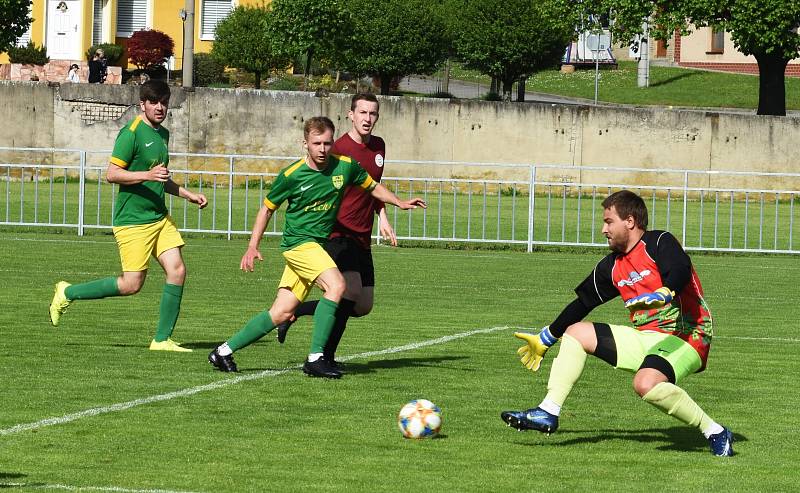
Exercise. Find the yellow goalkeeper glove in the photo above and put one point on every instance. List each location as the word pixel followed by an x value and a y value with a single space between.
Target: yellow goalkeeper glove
pixel 656 299
pixel 532 353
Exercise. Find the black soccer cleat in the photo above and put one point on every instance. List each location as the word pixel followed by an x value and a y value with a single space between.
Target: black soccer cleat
pixel 320 368
pixel 533 419
pixel 222 363
pixel 282 328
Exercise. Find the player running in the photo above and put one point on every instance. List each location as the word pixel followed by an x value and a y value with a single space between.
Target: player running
pixel 673 326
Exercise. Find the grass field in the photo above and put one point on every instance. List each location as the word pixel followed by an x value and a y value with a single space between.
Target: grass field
pixel 126 419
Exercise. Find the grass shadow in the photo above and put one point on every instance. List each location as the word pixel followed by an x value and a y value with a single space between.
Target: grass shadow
pixel 674 78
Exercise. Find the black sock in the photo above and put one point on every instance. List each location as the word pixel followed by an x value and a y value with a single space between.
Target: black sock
pixel 343 313
pixel 306 308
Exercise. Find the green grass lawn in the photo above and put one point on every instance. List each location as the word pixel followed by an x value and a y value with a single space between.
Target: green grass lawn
pixel 270 428
pixel 669 86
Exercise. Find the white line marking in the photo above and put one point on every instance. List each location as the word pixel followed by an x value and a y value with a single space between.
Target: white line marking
pixel 42 486
pixel 122 406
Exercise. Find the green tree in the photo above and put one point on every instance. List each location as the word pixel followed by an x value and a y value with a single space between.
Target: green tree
pixel 405 37
pixel 244 40
pixel 16 19
pixel 311 28
pixel 765 29
pixel 514 39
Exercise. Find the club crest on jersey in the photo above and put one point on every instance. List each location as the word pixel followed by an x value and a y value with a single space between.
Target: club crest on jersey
pixel 379 161
pixel 338 181
pixel 634 277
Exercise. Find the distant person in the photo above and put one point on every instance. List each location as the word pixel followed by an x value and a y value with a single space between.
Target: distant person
pixel 670 337
pixel 98 68
pixel 72 75
pixel 142 225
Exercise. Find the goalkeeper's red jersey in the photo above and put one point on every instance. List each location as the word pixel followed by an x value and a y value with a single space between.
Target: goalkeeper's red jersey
pixel 356 214
pixel 657 260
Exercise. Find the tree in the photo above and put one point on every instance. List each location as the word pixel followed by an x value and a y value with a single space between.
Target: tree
pixel 244 40
pixel 407 37
pixel 150 48
pixel 765 29
pixel 310 28
pixel 514 39
pixel 16 19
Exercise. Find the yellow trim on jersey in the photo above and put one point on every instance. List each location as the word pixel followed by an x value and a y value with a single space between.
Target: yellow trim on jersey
pixel 293 167
pixel 269 204
pixel 342 157
pixel 136 122
pixel 369 183
pixel 119 162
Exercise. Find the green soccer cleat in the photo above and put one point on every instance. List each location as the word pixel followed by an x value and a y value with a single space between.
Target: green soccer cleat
pixel 60 303
pixel 168 345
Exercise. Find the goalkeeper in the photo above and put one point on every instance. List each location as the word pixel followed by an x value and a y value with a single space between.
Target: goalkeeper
pixel 672 329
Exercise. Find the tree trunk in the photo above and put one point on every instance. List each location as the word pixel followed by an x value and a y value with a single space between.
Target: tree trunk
pixel 771 84
pixel 508 85
pixel 521 89
pixel 258 79
pixel 307 68
pixel 493 87
pixel 446 77
pixel 386 82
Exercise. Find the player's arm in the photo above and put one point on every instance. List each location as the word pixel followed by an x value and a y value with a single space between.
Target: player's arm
pixel 121 176
pixel 382 193
pixel 386 229
pixel 259 226
pixel 173 188
pixel 675 267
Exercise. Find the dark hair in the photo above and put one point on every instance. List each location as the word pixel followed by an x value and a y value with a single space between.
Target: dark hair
pixel 627 203
pixel 363 96
pixel 74 65
pixel 318 124
pixel 154 91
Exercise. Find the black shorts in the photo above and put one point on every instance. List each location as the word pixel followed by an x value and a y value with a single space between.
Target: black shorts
pixel 349 256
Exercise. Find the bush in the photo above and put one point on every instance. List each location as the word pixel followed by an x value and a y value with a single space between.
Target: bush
pixel 149 48
pixel 285 83
pixel 28 55
pixel 492 96
pixel 207 70
pixel 113 52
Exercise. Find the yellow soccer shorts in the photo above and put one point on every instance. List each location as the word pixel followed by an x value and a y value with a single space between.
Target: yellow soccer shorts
pixel 304 263
pixel 634 345
pixel 137 243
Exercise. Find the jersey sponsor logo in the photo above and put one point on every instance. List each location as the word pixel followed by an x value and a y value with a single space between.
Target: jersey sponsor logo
pixel 379 161
pixel 149 144
pixel 338 181
pixel 303 189
pixel 318 206
pixel 634 277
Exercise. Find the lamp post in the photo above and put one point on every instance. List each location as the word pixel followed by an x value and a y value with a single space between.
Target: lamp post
pixel 187 16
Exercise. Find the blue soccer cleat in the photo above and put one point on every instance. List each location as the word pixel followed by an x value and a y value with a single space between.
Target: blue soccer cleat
pixel 722 443
pixel 533 419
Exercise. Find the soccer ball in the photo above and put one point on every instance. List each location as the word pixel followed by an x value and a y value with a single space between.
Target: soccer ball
pixel 420 418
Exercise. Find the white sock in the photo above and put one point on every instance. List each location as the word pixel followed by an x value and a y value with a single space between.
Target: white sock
pixel 224 350
pixel 713 429
pixel 551 407
pixel 314 357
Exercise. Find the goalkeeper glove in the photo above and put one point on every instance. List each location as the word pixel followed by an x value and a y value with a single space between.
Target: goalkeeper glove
pixel 656 299
pixel 532 353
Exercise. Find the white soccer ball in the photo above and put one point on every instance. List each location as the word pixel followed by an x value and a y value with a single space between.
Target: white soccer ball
pixel 420 418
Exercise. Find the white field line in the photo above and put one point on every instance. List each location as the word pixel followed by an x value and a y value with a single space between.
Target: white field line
pixel 42 486
pixel 122 406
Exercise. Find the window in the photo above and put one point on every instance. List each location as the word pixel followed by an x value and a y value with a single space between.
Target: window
pixel 131 17
pixel 26 36
pixel 717 41
pixel 212 12
pixel 97 22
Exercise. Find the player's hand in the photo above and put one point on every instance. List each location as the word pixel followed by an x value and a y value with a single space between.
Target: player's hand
pixel 412 204
pixel 532 353
pixel 387 232
pixel 656 299
pixel 198 198
pixel 249 257
pixel 158 173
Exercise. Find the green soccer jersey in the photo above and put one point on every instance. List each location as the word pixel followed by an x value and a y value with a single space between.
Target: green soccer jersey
pixel 140 147
pixel 314 197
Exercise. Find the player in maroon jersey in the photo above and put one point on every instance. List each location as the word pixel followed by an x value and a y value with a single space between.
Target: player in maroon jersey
pixel 349 243
pixel 670 337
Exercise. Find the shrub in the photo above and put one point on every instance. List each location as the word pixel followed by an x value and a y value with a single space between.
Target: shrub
pixel 149 48
pixel 113 52
pixel 28 55
pixel 207 70
pixel 285 83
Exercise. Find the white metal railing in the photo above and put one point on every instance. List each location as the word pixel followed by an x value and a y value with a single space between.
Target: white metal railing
pixel 707 210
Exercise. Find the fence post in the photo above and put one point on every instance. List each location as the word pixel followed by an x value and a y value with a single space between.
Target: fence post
pixel 81 191
pixel 230 195
pixel 531 208
pixel 685 205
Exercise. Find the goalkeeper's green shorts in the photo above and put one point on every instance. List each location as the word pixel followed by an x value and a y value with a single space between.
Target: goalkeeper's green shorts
pixel 634 345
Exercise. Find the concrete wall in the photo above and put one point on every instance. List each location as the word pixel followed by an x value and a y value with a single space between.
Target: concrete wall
pixel 240 121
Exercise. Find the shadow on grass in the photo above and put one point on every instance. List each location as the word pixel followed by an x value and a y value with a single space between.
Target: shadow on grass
pixel 674 79
pixel 353 368
pixel 11 475
pixel 679 438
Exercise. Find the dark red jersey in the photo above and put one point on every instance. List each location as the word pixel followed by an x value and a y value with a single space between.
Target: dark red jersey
pixel 657 260
pixel 355 216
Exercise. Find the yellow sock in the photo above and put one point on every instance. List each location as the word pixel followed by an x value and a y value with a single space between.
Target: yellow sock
pixel 566 369
pixel 674 401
